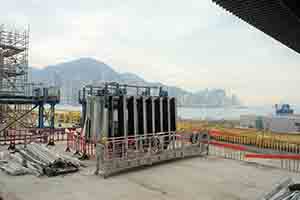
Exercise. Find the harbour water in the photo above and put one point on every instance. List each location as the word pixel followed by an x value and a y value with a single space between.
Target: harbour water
pixel 204 113
pixel 229 113
pixel 220 113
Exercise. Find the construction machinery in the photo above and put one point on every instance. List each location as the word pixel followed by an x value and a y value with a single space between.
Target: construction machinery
pixel 284 109
pixel 134 126
pixel 114 112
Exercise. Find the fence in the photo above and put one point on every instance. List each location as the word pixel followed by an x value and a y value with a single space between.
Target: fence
pixel 122 153
pixel 290 162
pixel 228 151
pixel 281 155
pixel 14 137
pixel 258 141
pixel 80 144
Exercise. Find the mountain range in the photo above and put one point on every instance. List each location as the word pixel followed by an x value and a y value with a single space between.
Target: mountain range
pixel 73 75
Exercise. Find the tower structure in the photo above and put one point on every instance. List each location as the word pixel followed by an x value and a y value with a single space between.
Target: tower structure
pixel 18 96
pixel 14 76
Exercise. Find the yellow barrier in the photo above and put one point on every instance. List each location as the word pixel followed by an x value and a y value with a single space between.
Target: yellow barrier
pixel 63 116
pixel 268 140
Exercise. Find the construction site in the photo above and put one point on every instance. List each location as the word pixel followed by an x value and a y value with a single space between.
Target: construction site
pixel 18 96
pixel 128 143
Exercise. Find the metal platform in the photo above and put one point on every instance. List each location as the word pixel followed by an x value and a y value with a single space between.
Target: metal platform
pixel 32 100
pixel 125 153
pixel 37 98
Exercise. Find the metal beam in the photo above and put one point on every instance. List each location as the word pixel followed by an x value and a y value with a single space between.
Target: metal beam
pixel 276 18
pixel 10 124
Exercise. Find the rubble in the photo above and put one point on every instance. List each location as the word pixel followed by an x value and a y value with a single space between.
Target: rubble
pixel 37 160
pixel 286 189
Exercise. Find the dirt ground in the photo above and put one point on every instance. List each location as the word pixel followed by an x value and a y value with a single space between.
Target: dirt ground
pixel 209 178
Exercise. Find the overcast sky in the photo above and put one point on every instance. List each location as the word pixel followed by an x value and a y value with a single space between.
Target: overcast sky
pixel 193 44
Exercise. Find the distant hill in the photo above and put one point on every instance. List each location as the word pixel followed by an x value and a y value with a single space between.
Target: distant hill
pixel 71 76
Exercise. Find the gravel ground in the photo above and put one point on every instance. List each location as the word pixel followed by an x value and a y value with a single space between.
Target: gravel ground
pixel 209 178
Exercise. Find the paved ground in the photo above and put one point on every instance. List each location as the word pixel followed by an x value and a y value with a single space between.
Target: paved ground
pixel 209 178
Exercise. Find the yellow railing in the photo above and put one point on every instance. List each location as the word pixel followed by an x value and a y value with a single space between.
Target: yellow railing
pixel 62 116
pixel 260 139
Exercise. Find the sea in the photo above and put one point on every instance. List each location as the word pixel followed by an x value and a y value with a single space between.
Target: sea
pixel 209 113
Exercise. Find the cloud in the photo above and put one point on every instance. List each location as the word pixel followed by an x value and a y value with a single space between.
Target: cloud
pixel 193 44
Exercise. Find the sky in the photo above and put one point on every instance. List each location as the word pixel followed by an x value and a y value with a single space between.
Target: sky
pixel 192 44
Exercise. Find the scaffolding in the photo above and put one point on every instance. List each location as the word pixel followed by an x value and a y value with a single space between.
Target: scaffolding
pixel 14 76
pixel 13 61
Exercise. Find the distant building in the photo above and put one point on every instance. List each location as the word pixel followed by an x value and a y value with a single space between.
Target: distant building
pixel 254 121
pixel 285 124
pixel 284 121
pixel 279 124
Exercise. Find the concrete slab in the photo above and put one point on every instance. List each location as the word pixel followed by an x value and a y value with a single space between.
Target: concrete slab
pixel 209 178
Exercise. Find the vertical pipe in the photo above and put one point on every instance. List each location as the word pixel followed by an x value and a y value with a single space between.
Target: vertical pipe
pixel 166 114
pixel 161 113
pixel 124 99
pixel 110 117
pixel 130 116
pixel 144 115
pixel 83 105
pixel 158 113
pixel 140 116
pixel 149 115
pixel 135 119
pixel 135 122
pixel 172 110
pixel 153 114
pixel 1 68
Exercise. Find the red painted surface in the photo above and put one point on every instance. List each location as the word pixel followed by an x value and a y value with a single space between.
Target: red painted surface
pixel 216 132
pixel 230 146
pixel 25 136
pixel 273 156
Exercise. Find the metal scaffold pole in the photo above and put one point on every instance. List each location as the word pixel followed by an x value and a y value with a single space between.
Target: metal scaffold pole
pixel 18 97
pixel 13 75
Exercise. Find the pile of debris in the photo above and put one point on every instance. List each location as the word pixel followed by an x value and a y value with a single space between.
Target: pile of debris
pixel 38 160
pixel 285 190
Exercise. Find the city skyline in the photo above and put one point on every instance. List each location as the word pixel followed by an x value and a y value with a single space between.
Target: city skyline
pixel 193 45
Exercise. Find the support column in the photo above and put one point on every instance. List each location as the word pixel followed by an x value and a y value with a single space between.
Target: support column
pixel 83 102
pixel 135 119
pixel 41 116
pixel 1 69
pixel 124 99
pixel 153 115
pixel 52 123
pixel 144 115
pixel 52 120
pixel 83 116
pixel 161 114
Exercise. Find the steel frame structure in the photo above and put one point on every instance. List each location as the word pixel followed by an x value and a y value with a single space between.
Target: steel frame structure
pixel 118 91
pixel 13 75
pixel 13 61
pixel 133 126
pixel 19 97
